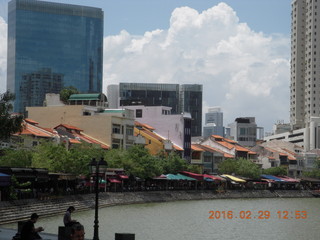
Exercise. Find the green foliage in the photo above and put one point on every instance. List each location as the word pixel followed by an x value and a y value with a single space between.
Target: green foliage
pixel 16 158
pixel 276 171
pixel 241 167
pixel 16 185
pixel 66 92
pixel 136 161
pixel 228 166
pixel 8 124
pixel 173 164
pixel 56 158
pixel 315 172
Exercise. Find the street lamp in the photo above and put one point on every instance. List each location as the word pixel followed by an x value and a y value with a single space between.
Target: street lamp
pixel 94 169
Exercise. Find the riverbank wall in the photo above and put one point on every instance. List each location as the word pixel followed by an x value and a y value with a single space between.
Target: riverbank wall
pixel 14 211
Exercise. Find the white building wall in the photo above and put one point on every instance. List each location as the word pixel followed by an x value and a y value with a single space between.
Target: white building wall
pixel 113 96
pixel 168 126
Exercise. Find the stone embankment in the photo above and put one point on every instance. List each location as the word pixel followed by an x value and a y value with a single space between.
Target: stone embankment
pixel 13 211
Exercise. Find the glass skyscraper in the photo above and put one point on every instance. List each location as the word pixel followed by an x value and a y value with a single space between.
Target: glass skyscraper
pixel 51 46
pixel 182 98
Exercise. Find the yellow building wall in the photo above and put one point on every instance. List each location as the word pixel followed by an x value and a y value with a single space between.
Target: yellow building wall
pixel 155 146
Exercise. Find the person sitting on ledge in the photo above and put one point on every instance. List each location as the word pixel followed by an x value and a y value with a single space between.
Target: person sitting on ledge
pixel 77 232
pixel 68 222
pixel 28 231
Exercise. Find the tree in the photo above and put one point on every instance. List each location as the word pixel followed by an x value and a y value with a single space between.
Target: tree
pixel 242 167
pixel 66 92
pixel 9 123
pixel 172 163
pixel 16 158
pixel 136 161
pixel 314 172
pixel 228 166
pixel 276 171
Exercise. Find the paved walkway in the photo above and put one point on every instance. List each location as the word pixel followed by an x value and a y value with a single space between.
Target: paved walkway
pixel 7 234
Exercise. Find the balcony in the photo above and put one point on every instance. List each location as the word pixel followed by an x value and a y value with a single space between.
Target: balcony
pixel 117 136
pixel 196 161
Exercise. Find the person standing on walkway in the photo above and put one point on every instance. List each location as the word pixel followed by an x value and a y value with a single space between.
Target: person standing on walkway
pixel 28 231
pixel 67 220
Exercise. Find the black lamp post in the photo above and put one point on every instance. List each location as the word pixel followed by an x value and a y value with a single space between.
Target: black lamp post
pixel 94 169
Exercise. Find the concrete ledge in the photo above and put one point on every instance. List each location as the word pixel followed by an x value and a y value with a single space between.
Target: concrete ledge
pixel 21 210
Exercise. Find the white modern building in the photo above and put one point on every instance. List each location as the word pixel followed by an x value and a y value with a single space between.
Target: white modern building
pixel 245 131
pixel 305 63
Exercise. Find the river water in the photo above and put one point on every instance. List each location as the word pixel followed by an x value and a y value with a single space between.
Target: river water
pixel 240 219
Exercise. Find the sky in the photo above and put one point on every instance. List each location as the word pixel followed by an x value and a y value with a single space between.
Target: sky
pixel 238 50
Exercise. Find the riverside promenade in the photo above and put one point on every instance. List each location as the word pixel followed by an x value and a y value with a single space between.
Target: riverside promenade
pixel 14 211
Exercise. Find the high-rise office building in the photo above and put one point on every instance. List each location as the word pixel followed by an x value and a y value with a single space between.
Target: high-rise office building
pixel 305 62
pixel 51 46
pixel 181 98
pixel 213 122
pixel 191 101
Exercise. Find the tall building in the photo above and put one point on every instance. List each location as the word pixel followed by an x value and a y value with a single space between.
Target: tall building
pixel 213 122
pixel 181 98
pixel 51 46
pixel 305 58
pixel 244 131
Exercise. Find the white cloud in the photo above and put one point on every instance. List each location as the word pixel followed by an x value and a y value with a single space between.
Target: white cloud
pixel 3 55
pixel 244 72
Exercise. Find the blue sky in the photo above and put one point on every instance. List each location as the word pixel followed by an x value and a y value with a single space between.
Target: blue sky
pixel 139 16
pixel 239 50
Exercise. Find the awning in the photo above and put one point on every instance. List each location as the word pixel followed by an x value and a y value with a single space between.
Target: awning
pixel 179 177
pixel 112 180
pixel 271 177
pixel 214 178
pixel 233 178
pixel 5 180
pixel 123 176
pixel 288 179
pixel 197 176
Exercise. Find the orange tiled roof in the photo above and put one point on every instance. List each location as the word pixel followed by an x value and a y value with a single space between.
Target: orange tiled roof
pixel 282 154
pixel 217 137
pixel 229 140
pixel 288 151
pixel 70 127
pixel 226 144
pixel 176 147
pixel 152 134
pixel 252 153
pixel 30 121
pixel 196 147
pixel 29 129
pixel 291 158
pixel 143 125
pixel 71 140
pixel 89 139
pixel 241 149
pixel 226 155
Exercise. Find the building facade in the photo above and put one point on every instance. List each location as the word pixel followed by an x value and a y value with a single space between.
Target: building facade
pixel 305 67
pixel 178 131
pixel 181 98
pixel 213 122
pixel 51 46
pixel 244 131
